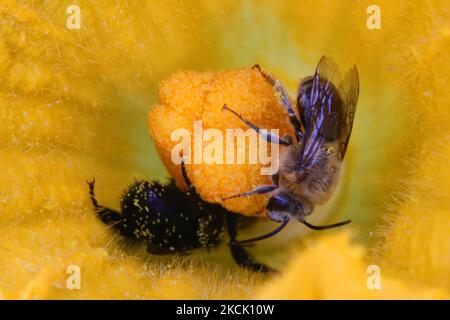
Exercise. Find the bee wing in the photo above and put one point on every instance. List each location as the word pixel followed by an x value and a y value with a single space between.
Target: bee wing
pixel 349 92
pixel 328 110
pixel 318 112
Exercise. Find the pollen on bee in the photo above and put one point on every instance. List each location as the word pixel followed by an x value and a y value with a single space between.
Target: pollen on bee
pixel 330 150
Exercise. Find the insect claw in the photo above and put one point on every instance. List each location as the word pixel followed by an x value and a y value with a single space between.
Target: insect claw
pixel 91 182
pixel 256 66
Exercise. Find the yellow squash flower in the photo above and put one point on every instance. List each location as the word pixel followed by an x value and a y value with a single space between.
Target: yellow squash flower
pixel 74 105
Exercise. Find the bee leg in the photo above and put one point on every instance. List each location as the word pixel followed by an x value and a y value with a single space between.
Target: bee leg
pixel 284 99
pixel 108 216
pixel 266 76
pixel 269 137
pixel 187 181
pixel 240 255
pixel 258 190
pixel 276 178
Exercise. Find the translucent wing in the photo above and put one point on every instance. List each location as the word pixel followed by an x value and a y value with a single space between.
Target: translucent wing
pixel 349 91
pixel 326 110
pixel 316 101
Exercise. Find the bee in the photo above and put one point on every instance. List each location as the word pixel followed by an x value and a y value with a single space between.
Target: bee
pixel 311 164
pixel 170 220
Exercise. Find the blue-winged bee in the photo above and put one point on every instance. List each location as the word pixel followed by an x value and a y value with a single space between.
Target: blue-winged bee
pixel 310 165
pixel 171 220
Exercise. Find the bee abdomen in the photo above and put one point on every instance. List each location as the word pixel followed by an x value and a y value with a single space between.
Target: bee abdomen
pixel 164 217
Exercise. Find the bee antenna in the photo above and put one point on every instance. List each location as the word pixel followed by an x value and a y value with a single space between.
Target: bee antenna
pixel 329 226
pixel 267 235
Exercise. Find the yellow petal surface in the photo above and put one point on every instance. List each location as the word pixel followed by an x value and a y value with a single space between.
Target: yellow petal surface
pixel 333 268
pixel 74 105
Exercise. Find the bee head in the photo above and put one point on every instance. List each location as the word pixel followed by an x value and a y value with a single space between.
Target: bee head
pixel 282 206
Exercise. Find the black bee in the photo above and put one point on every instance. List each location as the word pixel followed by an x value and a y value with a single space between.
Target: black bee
pixel 310 166
pixel 170 220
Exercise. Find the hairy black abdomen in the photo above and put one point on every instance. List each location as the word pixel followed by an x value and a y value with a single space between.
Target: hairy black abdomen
pixel 168 218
